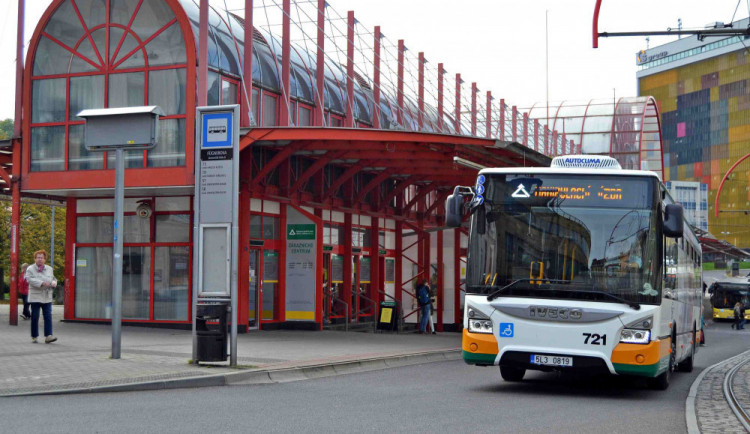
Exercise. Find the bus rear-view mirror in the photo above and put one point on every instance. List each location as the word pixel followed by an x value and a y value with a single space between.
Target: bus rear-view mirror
pixel 454 210
pixel 673 222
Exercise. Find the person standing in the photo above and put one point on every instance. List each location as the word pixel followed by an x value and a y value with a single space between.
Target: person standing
pixel 423 298
pixel 24 291
pixel 41 282
pixel 736 323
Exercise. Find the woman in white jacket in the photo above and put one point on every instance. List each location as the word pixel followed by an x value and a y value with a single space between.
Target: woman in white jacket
pixel 41 284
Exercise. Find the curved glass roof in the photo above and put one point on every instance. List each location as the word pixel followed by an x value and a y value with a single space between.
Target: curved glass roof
pixel 627 129
pixel 225 55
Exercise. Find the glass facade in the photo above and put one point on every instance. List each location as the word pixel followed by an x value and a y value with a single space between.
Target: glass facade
pixel 705 113
pixel 74 69
pixel 156 262
pixel 626 129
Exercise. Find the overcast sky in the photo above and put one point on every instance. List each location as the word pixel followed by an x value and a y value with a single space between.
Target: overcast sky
pixel 500 44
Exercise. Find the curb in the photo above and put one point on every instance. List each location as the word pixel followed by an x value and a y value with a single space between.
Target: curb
pixel 691 419
pixel 269 376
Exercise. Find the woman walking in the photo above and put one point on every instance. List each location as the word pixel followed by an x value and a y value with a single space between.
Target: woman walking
pixel 42 282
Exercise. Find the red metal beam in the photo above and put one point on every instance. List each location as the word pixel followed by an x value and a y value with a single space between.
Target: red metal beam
pixel 441 72
pixel 420 92
pixel 424 190
pixel 203 54
pixel 320 62
pixel 277 159
pixel 400 87
pixel 440 200
pixel 19 68
pixel 349 120
pixel 398 189
pixel 247 67
pixel 595 29
pixel 382 176
pixel 285 100
pixel 474 108
pixel 346 176
pixel 488 123
pixel 313 169
pixel 458 105
pixel 376 79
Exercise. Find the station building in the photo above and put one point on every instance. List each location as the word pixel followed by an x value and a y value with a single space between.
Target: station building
pixel 320 145
pixel 701 89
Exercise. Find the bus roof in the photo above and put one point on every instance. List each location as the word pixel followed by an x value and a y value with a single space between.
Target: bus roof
pixel 739 280
pixel 572 171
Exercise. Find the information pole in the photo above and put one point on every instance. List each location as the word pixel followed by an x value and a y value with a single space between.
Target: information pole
pixel 117 130
pixel 216 215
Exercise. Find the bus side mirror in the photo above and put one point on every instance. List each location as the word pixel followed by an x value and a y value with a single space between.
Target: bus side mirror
pixel 673 223
pixel 454 210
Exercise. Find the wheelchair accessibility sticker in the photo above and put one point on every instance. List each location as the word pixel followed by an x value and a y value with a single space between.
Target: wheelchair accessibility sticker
pixel 506 329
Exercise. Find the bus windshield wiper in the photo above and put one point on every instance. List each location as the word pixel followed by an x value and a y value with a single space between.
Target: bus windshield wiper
pixel 495 294
pixel 632 304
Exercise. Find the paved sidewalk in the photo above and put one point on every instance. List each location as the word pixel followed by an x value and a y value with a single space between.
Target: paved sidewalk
pixel 158 358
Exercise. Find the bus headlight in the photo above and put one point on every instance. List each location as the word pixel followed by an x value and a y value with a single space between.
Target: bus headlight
pixel 634 336
pixel 480 326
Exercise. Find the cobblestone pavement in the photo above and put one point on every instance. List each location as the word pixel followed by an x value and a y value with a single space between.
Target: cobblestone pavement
pixel 80 358
pixel 712 410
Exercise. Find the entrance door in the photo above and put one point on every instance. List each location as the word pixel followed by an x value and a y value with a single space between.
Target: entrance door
pixel 255 290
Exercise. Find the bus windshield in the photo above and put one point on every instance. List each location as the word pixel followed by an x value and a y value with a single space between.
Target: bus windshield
pixel 726 295
pixel 575 236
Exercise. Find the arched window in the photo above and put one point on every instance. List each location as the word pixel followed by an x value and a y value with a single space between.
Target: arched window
pixel 105 54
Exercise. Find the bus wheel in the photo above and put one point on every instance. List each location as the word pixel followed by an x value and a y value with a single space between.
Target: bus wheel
pixel 512 374
pixel 687 364
pixel 661 382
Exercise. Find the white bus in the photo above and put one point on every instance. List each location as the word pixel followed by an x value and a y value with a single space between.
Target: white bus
pixel 580 266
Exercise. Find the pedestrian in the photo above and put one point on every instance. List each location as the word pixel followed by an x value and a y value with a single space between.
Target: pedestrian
pixel 42 283
pixel 23 289
pixel 742 316
pixel 423 298
pixel 736 310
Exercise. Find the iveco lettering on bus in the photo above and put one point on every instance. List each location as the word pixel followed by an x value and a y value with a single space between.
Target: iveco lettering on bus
pixel 581 266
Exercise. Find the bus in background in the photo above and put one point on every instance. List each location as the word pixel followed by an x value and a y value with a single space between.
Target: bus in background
pixel 581 266
pixel 725 293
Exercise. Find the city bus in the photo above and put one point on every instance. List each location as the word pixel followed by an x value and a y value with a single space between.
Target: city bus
pixel 725 293
pixel 580 266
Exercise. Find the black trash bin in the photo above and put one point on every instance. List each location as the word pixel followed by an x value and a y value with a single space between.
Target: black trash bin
pixel 388 318
pixel 212 338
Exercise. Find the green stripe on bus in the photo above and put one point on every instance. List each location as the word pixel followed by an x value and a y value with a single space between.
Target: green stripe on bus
pixel 640 370
pixel 479 358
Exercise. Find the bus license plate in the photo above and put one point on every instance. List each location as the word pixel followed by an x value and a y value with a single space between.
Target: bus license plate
pixel 551 360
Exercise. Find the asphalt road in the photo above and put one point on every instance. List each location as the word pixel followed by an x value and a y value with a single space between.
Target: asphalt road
pixel 435 397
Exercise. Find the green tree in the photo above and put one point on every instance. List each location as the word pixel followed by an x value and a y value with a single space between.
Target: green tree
pixel 6 129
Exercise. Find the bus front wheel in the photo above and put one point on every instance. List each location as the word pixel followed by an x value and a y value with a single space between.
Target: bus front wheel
pixel 661 382
pixel 512 374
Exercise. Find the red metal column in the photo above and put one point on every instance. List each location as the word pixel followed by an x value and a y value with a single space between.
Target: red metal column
pixel 514 123
pixel 420 92
pixel 457 313
pixel 69 311
pixel 348 271
pixel 247 67
pixel 203 54
pixel 400 90
pixel 489 115
pixel 398 266
pixel 474 108
pixel 564 142
pixel 526 129
pixel 546 140
pixel 374 261
pixel 441 72
pixel 286 48
pixel 376 79
pixel 536 135
pixel 554 142
pixel 15 214
pixel 243 266
pixel 440 281
pixel 458 104
pixel 501 133
pixel 320 65
pixel 349 121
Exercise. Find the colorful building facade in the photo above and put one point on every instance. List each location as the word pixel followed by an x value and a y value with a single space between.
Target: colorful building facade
pixel 702 91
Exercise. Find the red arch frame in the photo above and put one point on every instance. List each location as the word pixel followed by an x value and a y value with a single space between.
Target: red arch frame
pixel 104 178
